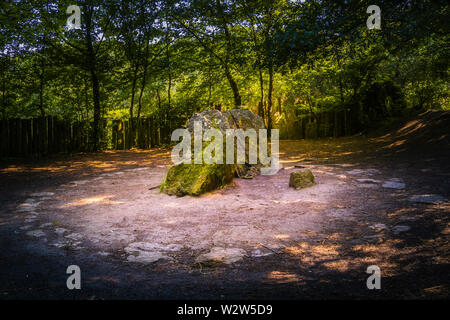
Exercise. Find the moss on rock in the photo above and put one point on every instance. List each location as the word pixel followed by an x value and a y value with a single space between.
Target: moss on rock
pixel 196 179
pixel 301 179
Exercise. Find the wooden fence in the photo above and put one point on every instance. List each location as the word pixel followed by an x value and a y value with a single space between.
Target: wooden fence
pixel 48 135
pixel 321 125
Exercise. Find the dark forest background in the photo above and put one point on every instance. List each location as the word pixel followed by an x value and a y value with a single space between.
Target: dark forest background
pixel 164 60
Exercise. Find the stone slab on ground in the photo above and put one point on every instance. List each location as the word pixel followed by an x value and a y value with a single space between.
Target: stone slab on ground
pixel 427 198
pixel 221 255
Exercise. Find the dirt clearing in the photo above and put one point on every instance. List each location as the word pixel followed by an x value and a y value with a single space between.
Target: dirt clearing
pixel 376 201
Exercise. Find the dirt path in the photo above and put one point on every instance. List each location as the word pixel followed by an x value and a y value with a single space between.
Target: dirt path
pixel 96 211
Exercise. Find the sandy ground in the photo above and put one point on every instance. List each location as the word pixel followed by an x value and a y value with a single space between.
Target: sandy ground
pixel 99 211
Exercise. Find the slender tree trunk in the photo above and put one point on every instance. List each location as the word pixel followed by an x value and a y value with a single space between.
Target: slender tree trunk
pixel 234 88
pixel 92 64
pixel 169 83
pixel 209 88
pixel 269 99
pixel 261 102
pixel 169 89
pixel 233 85
pixel 141 94
pixel 144 79
pixel 41 90
pixel 159 99
pixel 4 63
pixel 133 89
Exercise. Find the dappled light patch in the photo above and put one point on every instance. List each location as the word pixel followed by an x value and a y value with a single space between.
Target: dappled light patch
pixel 104 199
pixel 283 277
pixel 340 265
pixel 313 253
pixel 282 236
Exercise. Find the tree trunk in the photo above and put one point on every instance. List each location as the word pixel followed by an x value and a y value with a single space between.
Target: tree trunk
pixel 234 87
pixel 209 88
pixel 41 91
pixel 144 79
pixel 261 102
pixel 269 100
pixel 92 64
pixel 133 88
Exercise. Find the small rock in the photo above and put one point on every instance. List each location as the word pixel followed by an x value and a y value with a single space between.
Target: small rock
pixel 35 233
pixel 60 230
pixel 27 206
pixel 378 226
pixel 408 218
pixel 148 246
pixel 393 184
pixel 356 172
pixel 45 225
pixel 42 194
pixel 427 198
pixel 74 236
pixel 398 229
pixel 301 179
pixel 257 253
pixel 221 255
pixel 146 257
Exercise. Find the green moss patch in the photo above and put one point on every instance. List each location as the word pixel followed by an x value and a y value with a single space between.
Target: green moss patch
pixel 196 179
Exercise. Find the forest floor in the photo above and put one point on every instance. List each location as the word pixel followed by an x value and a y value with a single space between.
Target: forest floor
pixel 380 199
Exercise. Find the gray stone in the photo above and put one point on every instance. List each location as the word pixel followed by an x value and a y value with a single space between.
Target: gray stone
pixel 378 226
pixel 219 255
pixel 356 172
pixel 301 179
pixel 427 198
pixel 74 236
pixel 258 253
pixel 147 257
pixel 393 184
pixel 42 194
pixel 148 246
pixel 196 179
pixel 60 230
pixel 45 225
pixel 398 229
pixel 36 233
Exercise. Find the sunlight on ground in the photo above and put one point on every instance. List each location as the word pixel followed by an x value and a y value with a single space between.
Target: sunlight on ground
pixel 283 277
pixel 92 200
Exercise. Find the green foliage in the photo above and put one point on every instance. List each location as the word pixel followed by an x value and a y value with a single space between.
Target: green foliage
pixel 281 59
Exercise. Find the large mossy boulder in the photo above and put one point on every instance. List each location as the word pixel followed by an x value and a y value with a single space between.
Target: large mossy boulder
pixel 196 179
pixel 301 179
